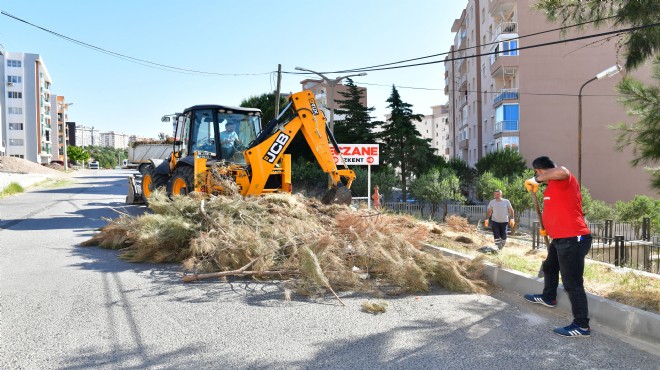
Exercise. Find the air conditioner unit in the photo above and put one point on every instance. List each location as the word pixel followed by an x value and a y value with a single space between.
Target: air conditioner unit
pixel 509 71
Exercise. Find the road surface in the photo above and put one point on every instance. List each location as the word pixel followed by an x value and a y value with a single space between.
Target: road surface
pixel 71 307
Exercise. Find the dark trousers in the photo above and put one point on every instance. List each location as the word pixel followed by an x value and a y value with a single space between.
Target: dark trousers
pixel 566 255
pixel 499 229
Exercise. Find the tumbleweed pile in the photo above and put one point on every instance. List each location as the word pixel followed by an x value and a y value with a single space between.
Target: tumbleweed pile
pixel 316 246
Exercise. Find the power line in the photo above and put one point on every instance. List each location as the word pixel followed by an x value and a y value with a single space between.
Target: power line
pixel 475 47
pixel 142 62
pixel 621 31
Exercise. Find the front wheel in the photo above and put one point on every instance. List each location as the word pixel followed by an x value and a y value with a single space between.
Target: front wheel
pixel 181 182
pixel 151 181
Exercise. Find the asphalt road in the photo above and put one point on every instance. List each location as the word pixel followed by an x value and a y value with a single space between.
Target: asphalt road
pixel 71 307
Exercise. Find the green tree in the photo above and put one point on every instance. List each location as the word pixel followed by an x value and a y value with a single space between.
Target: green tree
pixel 644 135
pixel 512 189
pixel 77 154
pixel 438 187
pixel 637 209
pixel 596 210
pixel 266 103
pixel 465 173
pixel 401 140
pixel 108 157
pixel 386 179
pixel 502 163
pixel 637 46
pixel 356 127
pixel 308 177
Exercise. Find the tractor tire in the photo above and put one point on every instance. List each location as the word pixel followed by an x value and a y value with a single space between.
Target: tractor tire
pixel 181 182
pixel 151 181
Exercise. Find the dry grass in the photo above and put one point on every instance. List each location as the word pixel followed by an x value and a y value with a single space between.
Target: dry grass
pixel 374 307
pixel 324 244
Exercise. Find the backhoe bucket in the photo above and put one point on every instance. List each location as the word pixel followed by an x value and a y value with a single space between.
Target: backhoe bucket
pixel 338 195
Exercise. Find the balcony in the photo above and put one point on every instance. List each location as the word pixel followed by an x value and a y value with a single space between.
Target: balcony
pixel 498 61
pixel 501 6
pixel 463 144
pixel 506 126
pixel 506 30
pixel 505 94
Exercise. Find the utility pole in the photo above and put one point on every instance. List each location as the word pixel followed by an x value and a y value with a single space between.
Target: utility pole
pixel 277 94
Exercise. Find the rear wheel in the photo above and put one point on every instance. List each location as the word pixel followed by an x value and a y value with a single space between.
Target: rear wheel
pixel 181 182
pixel 151 181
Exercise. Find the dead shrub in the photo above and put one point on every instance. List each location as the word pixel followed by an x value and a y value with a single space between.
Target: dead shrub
pixel 279 232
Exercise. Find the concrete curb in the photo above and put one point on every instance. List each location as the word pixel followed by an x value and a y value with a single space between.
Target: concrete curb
pixel 628 320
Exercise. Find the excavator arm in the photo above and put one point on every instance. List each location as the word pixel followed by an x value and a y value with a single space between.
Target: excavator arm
pixel 266 156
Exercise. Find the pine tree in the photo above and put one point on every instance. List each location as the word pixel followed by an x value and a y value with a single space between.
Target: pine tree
pixel 403 146
pixel 356 127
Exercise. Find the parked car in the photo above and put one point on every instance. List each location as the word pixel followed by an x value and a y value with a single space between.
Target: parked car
pixel 94 165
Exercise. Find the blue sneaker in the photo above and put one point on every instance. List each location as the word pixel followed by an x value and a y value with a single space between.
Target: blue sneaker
pixel 574 331
pixel 538 298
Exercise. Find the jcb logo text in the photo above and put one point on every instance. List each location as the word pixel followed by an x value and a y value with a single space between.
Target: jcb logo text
pixel 277 147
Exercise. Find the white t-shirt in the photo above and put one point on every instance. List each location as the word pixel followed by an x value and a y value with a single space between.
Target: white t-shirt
pixel 500 210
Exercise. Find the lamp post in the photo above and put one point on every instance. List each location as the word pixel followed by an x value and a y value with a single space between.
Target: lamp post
pixel 613 70
pixel 331 88
pixel 64 107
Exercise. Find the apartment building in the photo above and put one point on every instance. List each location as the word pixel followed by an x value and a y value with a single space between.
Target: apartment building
pixel 324 97
pixel 86 136
pixel 436 128
pixel 27 130
pixel 115 140
pixel 527 99
pixel 59 110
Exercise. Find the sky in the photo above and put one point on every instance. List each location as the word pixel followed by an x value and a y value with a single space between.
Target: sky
pixel 237 44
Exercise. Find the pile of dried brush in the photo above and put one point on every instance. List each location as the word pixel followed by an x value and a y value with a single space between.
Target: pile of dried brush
pixel 316 245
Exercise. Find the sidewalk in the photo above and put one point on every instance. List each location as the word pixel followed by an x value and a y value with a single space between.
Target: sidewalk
pixel 23 179
pixel 631 321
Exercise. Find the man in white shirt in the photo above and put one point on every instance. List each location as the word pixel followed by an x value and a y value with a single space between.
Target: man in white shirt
pixel 228 138
pixel 500 214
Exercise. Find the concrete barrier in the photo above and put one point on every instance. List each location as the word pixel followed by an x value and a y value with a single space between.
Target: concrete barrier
pixel 625 319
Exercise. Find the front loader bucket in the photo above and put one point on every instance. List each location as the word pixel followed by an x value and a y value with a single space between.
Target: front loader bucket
pixel 134 191
pixel 338 195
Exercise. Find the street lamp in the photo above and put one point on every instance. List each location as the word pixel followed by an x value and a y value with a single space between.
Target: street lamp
pixel 331 88
pixel 613 70
pixel 64 107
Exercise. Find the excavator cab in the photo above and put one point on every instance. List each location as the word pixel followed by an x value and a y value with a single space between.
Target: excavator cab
pixel 217 132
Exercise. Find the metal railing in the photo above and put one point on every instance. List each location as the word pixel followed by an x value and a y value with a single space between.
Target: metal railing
pixel 621 244
pixel 506 94
pixel 506 126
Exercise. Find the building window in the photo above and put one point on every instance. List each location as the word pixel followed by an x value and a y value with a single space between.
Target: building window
pixel 15 142
pixel 15 110
pixel 14 94
pixel 14 79
pixel 509 47
pixel 16 126
pixel 13 63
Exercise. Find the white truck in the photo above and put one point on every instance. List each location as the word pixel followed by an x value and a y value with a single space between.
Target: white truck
pixel 140 154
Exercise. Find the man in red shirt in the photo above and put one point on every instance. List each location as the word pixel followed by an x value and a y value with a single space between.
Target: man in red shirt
pixel 571 240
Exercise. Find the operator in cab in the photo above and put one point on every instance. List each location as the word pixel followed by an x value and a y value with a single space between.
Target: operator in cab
pixel 228 140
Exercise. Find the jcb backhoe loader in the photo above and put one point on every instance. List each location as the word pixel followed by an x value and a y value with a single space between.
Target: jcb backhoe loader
pixel 211 141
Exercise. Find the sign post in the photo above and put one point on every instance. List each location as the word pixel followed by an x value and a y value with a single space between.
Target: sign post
pixel 359 155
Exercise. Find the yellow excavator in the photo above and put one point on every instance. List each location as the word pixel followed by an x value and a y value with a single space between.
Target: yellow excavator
pixel 214 141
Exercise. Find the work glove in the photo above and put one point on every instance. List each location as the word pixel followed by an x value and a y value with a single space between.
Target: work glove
pixel 532 185
pixel 486 223
pixel 512 223
pixel 543 232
